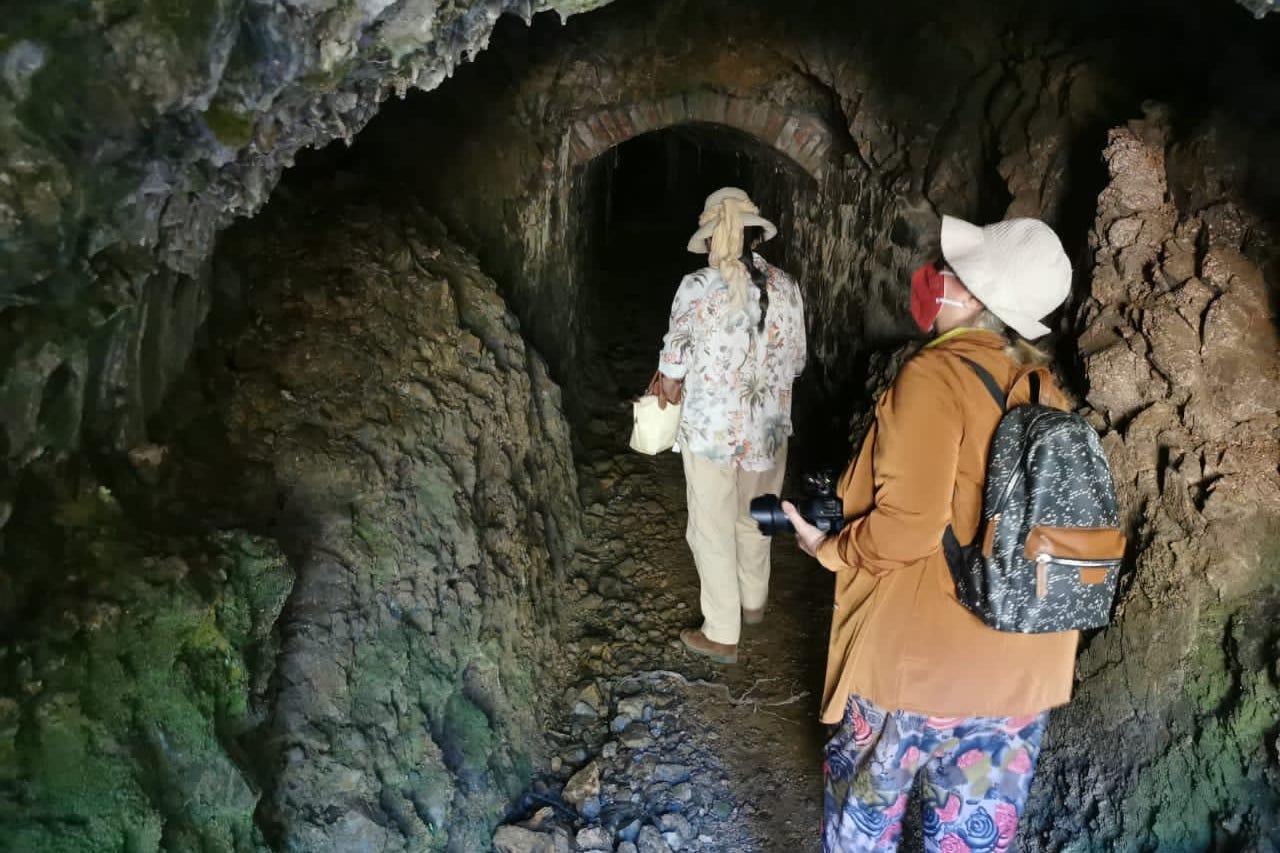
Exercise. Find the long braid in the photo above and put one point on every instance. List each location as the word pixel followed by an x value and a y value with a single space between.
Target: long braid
pixel 758 276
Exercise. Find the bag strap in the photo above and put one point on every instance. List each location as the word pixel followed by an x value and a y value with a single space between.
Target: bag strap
pixel 1000 395
pixel 993 386
pixel 951 546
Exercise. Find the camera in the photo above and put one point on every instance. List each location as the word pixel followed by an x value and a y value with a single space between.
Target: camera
pixel 819 506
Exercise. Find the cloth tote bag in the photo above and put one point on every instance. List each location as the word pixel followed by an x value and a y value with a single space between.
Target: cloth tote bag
pixel 653 429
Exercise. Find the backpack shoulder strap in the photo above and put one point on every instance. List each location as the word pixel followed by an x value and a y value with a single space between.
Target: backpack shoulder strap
pixel 993 387
pixel 1035 377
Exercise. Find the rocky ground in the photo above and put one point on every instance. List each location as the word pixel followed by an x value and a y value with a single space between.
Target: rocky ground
pixel 660 750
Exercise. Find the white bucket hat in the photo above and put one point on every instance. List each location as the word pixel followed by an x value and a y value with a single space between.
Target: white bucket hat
pixel 1016 268
pixel 747 215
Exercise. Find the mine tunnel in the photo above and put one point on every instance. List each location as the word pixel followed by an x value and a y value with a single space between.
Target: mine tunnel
pixel 320 328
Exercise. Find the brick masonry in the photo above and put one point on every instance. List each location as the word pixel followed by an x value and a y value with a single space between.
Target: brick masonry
pixel 805 139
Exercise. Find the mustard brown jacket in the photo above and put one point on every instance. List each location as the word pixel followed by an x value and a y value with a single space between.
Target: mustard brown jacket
pixel 899 637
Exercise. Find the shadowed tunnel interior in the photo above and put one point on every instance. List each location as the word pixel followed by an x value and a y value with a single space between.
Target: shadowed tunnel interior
pixel 319 329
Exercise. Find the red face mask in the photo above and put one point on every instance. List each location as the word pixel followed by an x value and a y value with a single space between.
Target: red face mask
pixel 926 295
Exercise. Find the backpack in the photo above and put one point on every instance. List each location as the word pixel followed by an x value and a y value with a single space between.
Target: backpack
pixel 1050 546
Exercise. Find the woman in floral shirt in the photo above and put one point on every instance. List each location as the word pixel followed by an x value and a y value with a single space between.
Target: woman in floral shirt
pixel 736 344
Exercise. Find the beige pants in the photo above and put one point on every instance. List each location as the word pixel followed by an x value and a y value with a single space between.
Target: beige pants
pixel 731 554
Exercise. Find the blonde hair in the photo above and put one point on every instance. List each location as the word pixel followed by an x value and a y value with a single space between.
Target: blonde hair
pixel 1020 350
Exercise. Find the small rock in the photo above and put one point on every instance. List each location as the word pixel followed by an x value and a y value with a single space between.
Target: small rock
pixel 620 723
pixel 609 750
pixel 630 832
pixel 636 736
pixel 678 824
pixel 651 841
pixel 683 792
pixel 673 773
pixel 574 755
pixel 513 839
pixel 595 838
pixel 636 707
pixel 582 786
pixel 589 702
pixel 562 840
pixel 540 818
pixel 627 847
pixel 591 808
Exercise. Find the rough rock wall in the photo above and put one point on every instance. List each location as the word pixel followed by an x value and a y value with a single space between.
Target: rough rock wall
pixel 1171 742
pixel 131 132
pixel 136 690
pixel 420 453
pixel 369 404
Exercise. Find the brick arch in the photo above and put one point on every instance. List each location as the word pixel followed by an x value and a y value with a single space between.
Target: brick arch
pixel 802 137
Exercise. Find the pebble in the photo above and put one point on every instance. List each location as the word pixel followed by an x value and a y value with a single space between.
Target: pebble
pixel 582 786
pixel 514 839
pixel 540 818
pixel 673 773
pixel 594 838
pixel 678 824
pixel 636 707
pixel 651 841
pixel 637 736
pixel 589 702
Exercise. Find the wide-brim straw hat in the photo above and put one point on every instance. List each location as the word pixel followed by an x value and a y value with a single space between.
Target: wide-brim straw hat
pixel 698 242
pixel 1016 268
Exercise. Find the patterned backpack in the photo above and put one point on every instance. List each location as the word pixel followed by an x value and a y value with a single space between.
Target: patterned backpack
pixel 1049 549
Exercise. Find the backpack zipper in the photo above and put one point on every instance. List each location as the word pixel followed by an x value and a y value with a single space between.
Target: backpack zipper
pixel 1042 569
pixel 1007 491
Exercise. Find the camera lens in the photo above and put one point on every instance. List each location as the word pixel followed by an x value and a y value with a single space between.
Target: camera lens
pixel 767 513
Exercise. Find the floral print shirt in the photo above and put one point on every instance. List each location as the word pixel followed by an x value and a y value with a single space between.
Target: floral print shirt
pixel 737 379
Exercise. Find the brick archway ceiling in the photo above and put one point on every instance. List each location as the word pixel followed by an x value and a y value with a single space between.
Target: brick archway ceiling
pixel 803 138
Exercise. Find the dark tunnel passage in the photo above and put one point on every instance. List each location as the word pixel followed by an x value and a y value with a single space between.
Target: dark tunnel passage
pixel 320 327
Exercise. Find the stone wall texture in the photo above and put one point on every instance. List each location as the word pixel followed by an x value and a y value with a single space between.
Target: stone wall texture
pixel 130 134
pixel 369 405
pixel 1170 743
pixel 422 463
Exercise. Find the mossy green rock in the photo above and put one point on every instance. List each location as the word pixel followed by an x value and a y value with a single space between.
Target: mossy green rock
pixel 120 717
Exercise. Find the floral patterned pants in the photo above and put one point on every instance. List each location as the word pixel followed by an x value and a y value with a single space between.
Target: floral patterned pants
pixel 976 773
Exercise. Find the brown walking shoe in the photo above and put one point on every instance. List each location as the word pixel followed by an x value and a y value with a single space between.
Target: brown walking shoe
pixel 697 642
pixel 752 617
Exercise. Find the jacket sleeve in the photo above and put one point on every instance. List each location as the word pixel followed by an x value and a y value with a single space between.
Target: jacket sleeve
pixel 917 445
pixel 679 341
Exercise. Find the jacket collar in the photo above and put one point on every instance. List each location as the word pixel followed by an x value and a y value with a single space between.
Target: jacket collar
pixel 972 336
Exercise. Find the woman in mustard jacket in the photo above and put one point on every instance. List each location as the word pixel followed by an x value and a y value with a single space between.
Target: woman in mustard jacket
pixel 916 683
